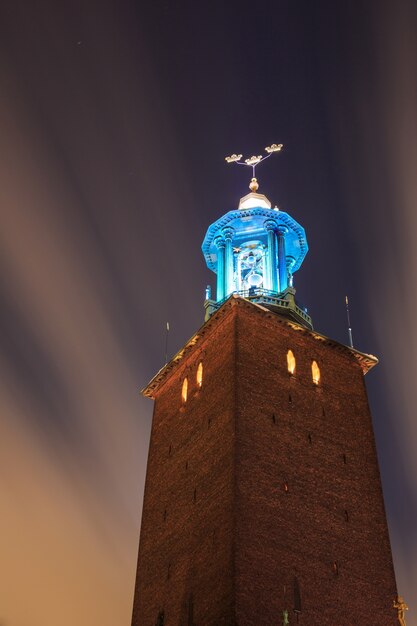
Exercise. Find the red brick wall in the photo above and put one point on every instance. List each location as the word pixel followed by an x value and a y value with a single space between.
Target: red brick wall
pixel 237 548
pixel 319 441
pixel 197 536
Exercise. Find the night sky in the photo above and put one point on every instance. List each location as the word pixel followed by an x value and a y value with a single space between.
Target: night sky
pixel 115 118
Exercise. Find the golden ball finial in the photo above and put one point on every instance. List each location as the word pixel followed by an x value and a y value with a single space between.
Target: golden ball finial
pixel 253 186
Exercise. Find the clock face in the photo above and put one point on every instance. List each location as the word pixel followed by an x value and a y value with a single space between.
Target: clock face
pixel 250 266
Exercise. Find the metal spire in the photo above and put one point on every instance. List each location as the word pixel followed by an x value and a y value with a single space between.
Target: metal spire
pixel 349 326
pixel 166 343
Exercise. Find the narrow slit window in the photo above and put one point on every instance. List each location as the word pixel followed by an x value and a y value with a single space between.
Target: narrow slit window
pixel 297 596
pixel 315 372
pixel 191 611
pixel 200 375
pixel 291 362
pixel 184 391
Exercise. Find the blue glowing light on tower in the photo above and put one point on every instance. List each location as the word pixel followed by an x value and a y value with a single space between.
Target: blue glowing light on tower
pixel 255 249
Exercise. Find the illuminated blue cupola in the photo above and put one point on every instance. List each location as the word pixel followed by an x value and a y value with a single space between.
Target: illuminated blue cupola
pixel 255 251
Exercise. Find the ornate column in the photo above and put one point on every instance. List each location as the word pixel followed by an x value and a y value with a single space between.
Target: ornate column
pixel 266 269
pixel 228 261
pixel 221 244
pixel 236 269
pixel 271 226
pixel 290 265
pixel 282 263
pixel 239 271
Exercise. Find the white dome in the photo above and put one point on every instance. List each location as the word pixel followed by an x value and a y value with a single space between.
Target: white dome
pixel 254 200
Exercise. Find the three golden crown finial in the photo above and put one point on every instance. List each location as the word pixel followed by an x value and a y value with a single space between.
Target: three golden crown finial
pixel 253 161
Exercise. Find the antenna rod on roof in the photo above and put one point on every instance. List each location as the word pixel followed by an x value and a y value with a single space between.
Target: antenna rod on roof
pixel 349 326
pixel 166 343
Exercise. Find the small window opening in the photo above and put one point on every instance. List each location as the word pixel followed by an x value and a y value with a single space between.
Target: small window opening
pixel 209 422
pixel 315 372
pixel 289 398
pixel 297 596
pixel 190 611
pixel 290 362
pixel 170 449
pixel 274 419
pixel 344 459
pixel 200 375
pixel 310 438
pixel 335 568
pixel 165 515
pixel 186 465
pixel 285 487
pixel 195 495
pixel 169 571
pixel 346 516
pixel 160 619
pixel 184 391
pixel 324 412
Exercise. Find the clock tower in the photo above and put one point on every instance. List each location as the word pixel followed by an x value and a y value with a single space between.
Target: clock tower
pixel 263 502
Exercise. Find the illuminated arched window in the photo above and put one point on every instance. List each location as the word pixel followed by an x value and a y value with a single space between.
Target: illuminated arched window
pixel 184 390
pixel 200 374
pixel 290 361
pixel 315 372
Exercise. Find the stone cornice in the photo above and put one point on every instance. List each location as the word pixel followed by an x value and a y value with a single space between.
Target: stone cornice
pixel 366 361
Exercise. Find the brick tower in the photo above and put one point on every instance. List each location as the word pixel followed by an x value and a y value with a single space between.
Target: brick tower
pixel 263 502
